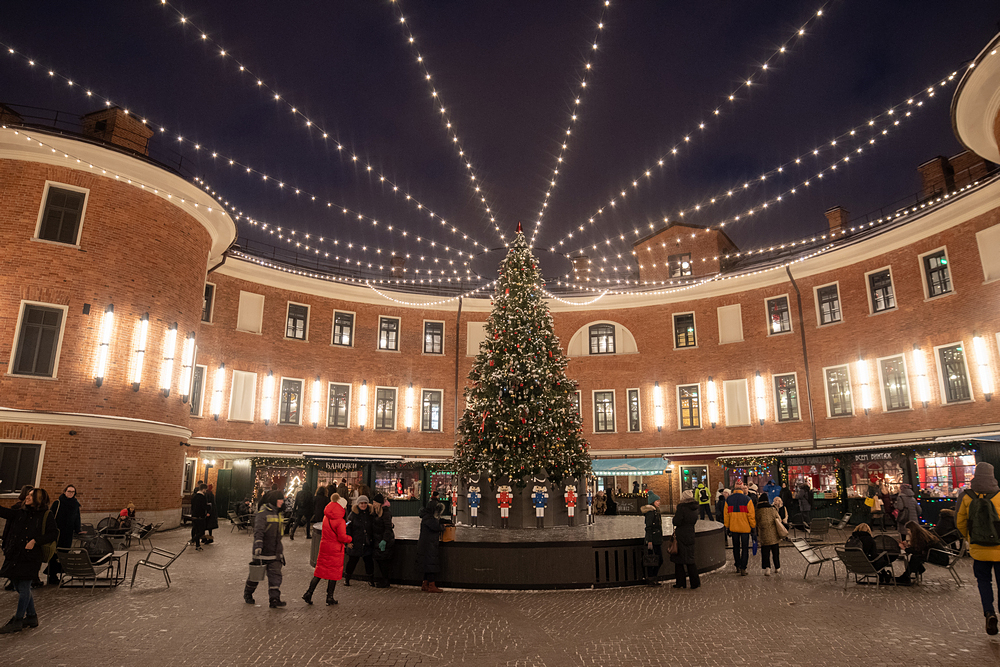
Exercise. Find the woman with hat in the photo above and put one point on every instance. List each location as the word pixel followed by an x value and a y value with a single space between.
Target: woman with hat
pixel 361 530
pixel 383 539
pixel 653 537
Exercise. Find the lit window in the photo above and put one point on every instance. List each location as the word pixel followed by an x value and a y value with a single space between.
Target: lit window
pixel 880 288
pixel 339 405
pixel 680 265
pixel 290 401
pixel 634 424
pixel 343 329
pixel 602 339
pixel 838 391
pixel 385 408
pixel 954 373
pixel 298 319
pixel 895 387
pixel 786 396
pixel 829 304
pixel 689 406
pixel 430 411
pixel 388 333
pixel 778 320
pixel 433 337
pixel 937 274
pixel 604 411
pixel 684 330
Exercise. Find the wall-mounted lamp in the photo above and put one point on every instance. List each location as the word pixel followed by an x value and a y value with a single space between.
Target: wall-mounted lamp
pixel 658 406
pixel 103 344
pixel 187 362
pixel 169 352
pixel 866 390
pixel 363 404
pixel 758 383
pixel 268 398
pixel 713 406
pixel 920 369
pixel 142 336
pixel 220 383
pixel 983 362
pixel 314 412
pixel 409 408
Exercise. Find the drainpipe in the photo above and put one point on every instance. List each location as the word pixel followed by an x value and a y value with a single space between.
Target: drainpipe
pixel 458 331
pixel 805 354
pixel 224 256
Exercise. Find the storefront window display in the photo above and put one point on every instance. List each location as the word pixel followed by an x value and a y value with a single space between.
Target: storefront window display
pixel 757 470
pixel 940 474
pixel 819 473
pixel 399 484
pixel 875 469
pixel 442 483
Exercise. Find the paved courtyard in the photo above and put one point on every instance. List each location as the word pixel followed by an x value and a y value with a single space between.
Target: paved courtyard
pixel 731 620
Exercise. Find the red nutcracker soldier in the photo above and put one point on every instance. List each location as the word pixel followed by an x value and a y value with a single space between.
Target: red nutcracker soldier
pixel 505 498
pixel 570 497
pixel 454 504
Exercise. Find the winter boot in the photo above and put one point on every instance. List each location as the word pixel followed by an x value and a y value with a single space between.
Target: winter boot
pixel 31 621
pixel 991 625
pixel 331 586
pixel 308 597
pixel 329 599
pixel 432 588
pixel 248 593
pixel 13 625
pixel 276 602
pixel 423 586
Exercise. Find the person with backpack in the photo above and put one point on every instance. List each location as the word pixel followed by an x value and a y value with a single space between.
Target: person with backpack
pixel 740 519
pixel 908 509
pixel 704 498
pixel 979 522
pixel 29 543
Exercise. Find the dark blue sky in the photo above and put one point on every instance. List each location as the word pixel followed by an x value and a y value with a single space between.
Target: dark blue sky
pixel 507 74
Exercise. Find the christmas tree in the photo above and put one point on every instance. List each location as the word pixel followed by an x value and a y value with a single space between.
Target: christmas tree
pixel 520 417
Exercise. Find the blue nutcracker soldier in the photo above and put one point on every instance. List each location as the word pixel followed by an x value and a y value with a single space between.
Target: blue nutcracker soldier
pixel 475 497
pixel 590 503
pixel 539 498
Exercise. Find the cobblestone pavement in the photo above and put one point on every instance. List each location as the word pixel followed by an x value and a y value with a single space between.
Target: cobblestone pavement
pixel 756 620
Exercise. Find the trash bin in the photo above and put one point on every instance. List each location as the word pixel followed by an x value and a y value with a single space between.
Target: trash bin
pixel 314 548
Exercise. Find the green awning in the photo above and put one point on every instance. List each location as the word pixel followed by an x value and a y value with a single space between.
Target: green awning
pixel 624 467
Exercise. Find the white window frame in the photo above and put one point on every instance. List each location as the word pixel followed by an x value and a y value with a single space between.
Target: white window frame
pixel 718 317
pixel 333 327
pixel 41 213
pixel 420 407
pixel 725 401
pixel 826 391
pixel 614 410
pixel 940 374
pixel 767 315
pixel 868 291
pixel 399 333
pixel 614 339
pixel 239 309
pixel 923 273
pixel 38 469
pixel 628 419
pixel 673 330
pixel 702 408
pixel 194 477
pixel 204 379
pixel 211 307
pixel 423 337
pixel 350 404
pixel 395 408
pixel 302 393
pixel 17 339
pixel 881 383
pixel 288 308
pixel 819 310
pixel 253 398
pixel 777 407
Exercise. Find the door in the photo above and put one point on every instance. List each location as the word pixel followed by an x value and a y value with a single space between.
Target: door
pixel 223 493
pixel 691 476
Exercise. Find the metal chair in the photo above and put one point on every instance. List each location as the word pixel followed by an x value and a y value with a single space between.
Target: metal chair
pixel 158 559
pixel 818 529
pixel 856 562
pixel 76 565
pixel 814 556
pixel 798 523
pixel 948 559
pixel 842 525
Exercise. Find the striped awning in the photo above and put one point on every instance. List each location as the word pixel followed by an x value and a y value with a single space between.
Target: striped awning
pixel 625 467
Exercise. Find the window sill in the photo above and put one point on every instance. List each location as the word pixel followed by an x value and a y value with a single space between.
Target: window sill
pixel 730 342
pixel 829 324
pixel 198 416
pixel 208 322
pixel 342 345
pixel 288 424
pixel 240 421
pixel 428 430
pixel 939 296
pixel 432 354
pixel 381 349
pixel 895 410
pixel 779 333
pixel 255 333
pixel 839 416
pixel 688 347
pixel 966 401
pixel 787 421
pixel 384 430
pixel 32 377
pixel 74 246
pixel 603 432
pixel 691 428
pixel 301 340
pixel 883 312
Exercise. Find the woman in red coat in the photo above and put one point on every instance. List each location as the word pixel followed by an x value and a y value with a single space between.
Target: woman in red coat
pixel 330 563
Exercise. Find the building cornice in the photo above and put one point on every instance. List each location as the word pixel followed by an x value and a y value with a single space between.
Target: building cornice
pixel 79 420
pixel 976 103
pixel 252 447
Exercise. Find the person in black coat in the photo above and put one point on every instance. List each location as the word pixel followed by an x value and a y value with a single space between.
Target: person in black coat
pixel 611 507
pixel 212 515
pixel 320 501
pixel 429 544
pixel 653 537
pixel 66 511
pixel 360 528
pixel 18 504
pixel 383 539
pixel 685 518
pixel 199 515
pixel 303 511
pixel 786 496
pixel 862 539
pixel 31 528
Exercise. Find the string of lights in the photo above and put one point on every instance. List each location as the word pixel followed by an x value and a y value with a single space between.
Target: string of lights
pixel 431 303
pixel 575 303
pixel 475 180
pixel 574 108
pixel 732 99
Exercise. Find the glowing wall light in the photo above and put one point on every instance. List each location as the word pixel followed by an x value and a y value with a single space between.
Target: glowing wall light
pixel 268 398
pixel 314 411
pixel 983 362
pixel 139 356
pixel 658 406
pixel 103 344
pixel 866 390
pixel 713 406
pixel 920 369
pixel 220 383
pixel 363 404
pixel 169 352
pixel 758 383
pixel 187 363
pixel 409 408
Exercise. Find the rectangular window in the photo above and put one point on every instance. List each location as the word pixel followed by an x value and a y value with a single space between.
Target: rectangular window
pixel 941 473
pixel 838 391
pixel 895 386
pixel 38 341
pixel 18 465
pixel 251 313
pixel 388 333
pixel 680 265
pixel 730 324
pixel 828 302
pixel 880 291
pixel 689 406
pixel 340 405
pixel 954 373
pixel 208 304
pixel 241 400
pixel 433 337
pixel 778 320
pixel 290 401
pixel 936 274
pixel 684 330
pixel 385 408
pixel 62 215
pixel 197 389
pixel 190 470
pixel 602 339
pixel 786 398
pixel 604 412
pixel 737 399
pixel 297 322
pixel 634 423
pixel 430 410
pixel 343 329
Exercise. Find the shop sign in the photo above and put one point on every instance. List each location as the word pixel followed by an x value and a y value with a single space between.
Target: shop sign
pixel 868 457
pixel 810 461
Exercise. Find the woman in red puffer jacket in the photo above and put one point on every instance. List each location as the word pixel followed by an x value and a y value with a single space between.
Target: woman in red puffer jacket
pixel 330 563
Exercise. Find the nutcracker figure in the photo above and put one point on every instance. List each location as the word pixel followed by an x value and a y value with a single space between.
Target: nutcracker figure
pixel 454 504
pixel 539 498
pixel 570 497
pixel 504 499
pixel 475 497
pixel 590 504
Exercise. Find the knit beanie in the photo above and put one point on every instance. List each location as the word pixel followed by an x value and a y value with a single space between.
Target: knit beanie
pixel 687 496
pixel 653 497
pixel 984 481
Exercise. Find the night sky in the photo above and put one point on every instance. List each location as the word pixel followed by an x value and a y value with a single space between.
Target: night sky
pixel 508 74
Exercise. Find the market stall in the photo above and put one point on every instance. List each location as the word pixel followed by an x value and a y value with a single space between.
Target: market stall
pixel 622 475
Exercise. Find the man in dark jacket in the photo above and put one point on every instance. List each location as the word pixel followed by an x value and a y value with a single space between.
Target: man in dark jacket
pixel 653 536
pixel 362 531
pixel 267 549
pixel 302 512
pixel 429 544
pixel 30 529
pixel 199 515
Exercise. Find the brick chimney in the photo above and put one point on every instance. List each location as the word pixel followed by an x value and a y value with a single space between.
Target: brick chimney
pixel 581 268
pixel 397 263
pixel 9 117
pixel 115 126
pixel 837 217
pixel 937 176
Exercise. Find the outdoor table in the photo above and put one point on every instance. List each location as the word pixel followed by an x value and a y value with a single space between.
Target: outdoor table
pixel 118 570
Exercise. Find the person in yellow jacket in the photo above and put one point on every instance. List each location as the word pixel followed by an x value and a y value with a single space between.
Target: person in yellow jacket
pixel 986 559
pixel 740 519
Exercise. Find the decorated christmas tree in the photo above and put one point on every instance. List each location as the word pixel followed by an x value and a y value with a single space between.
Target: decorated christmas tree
pixel 520 418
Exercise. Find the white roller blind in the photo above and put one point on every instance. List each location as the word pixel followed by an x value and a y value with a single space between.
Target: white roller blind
pixel 241 400
pixel 730 324
pixel 476 335
pixel 737 403
pixel 251 312
pixel 989 251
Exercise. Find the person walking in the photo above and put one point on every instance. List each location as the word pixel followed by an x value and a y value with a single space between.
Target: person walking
pixel 720 512
pixel 330 561
pixel 974 522
pixel 802 494
pixel 199 516
pixel 211 514
pixel 302 512
pixel 66 512
pixel 383 539
pixel 429 545
pixel 653 536
pixel 18 504
pixel 772 490
pixel 32 532
pixel 767 534
pixel 320 501
pixel 739 520
pixel 786 496
pixel 267 548
pixel 704 502
pixel 360 529
pixel 685 519
pixel 908 507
